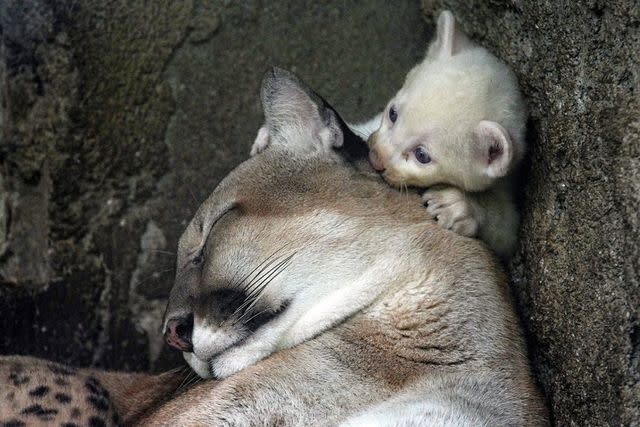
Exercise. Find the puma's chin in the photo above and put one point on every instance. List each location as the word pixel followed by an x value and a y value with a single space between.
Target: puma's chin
pixel 200 367
pixel 208 342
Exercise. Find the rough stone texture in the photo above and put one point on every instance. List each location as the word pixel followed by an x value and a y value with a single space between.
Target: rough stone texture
pixel 117 118
pixel 577 274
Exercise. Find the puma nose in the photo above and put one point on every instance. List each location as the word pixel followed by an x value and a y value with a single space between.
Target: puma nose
pixel 178 333
pixel 375 161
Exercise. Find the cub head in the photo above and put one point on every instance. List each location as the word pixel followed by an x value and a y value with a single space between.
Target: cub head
pixel 458 119
pixel 281 230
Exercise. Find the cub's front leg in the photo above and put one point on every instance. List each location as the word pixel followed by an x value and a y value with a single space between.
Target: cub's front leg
pixel 489 215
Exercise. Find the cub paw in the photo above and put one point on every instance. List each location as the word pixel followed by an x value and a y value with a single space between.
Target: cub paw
pixel 452 209
pixel 261 142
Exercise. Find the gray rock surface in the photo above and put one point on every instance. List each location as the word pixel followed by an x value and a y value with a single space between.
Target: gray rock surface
pixel 118 118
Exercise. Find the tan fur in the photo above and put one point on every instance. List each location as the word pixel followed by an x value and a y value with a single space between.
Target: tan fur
pixel 438 341
pixel 135 395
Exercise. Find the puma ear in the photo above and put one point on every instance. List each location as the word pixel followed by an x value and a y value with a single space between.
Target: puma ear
pixel 493 148
pixel 296 116
pixel 449 39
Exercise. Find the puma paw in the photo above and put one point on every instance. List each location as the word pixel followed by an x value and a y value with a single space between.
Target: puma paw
pixel 261 142
pixel 452 209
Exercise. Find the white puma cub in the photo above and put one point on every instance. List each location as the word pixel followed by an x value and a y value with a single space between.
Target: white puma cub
pixel 457 127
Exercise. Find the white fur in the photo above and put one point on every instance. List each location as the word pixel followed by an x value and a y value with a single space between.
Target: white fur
pixel 199 367
pixel 208 340
pixel 337 306
pixel 453 210
pixel 461 106
pixel 261 142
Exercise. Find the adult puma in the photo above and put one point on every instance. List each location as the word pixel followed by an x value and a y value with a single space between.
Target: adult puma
pixel 320 296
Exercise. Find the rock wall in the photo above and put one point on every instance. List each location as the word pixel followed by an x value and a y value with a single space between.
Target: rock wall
pixel 577 273
pixel 118 118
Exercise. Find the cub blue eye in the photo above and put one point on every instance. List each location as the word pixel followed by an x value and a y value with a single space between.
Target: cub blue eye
pixel 393 114
pixel 421 155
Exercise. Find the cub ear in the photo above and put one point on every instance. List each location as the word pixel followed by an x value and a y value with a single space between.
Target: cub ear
pixel 296 117
pixel 450 40
pixel 493 148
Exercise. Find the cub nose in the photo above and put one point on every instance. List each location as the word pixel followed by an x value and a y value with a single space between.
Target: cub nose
pixel 178 333
pixel 375 160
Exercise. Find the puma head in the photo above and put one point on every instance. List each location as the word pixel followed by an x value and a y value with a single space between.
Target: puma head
pixel 276 231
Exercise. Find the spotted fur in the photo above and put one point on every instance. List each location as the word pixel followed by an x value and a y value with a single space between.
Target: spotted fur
pixel 35 392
